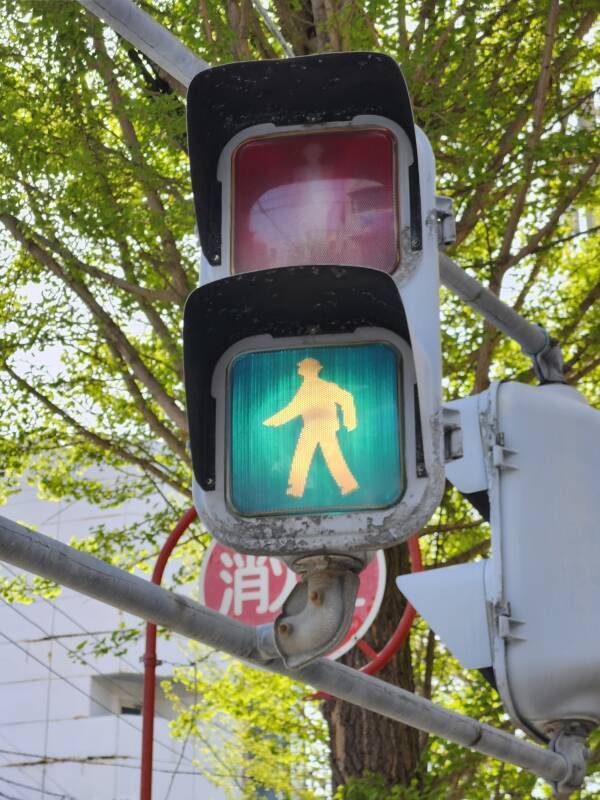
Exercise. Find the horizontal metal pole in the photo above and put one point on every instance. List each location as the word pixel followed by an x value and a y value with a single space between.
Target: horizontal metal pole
pixel 149 36
pixel 90 576
pixel 532 338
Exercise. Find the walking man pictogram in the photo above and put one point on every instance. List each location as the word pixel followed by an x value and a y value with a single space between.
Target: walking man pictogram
pixel 316 401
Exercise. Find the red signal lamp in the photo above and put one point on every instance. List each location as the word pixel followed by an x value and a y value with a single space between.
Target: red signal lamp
pixel 327 197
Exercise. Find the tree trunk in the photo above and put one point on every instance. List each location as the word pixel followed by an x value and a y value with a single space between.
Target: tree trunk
pixel 359 739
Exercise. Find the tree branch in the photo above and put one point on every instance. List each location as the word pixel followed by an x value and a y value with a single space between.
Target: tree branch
pixel 573 378
pixel 566 201
pixel 154 423
pixel 471 213
pixel 152 295
pixel 478 549
pixel 457 526
pixel 539 104
pixel 94 438
pixel 105 67
pixel 588 301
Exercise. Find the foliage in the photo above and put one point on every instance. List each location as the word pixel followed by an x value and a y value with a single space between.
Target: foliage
pixel 255 730
pixel 98 253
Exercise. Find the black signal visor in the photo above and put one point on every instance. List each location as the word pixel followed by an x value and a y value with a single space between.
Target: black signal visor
pixel 333 87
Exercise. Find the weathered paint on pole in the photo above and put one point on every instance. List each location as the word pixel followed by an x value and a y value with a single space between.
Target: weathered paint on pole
pixel 149 36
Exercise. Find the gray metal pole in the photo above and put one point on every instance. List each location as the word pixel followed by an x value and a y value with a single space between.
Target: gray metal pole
pixel 534 340
pixel 90 576
pixel 149 36
pixel 531 337
pixel 287 48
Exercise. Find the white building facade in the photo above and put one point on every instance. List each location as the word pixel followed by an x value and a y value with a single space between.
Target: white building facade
pixel 71 729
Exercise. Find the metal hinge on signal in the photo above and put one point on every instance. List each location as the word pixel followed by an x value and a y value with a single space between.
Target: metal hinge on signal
pixel 453 435
pixel 506 624
pixel 503 457
pixel 446 221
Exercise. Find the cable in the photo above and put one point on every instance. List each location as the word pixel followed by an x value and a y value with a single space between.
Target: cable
pixel 187 736
pixel 21 795
pixel 133 667
pixel 10 796
pixel 71 619
pixel 81 691
pixel 181 755
pixel 108 761
pixel 35 789
pixel 70 652
pixel 26 774
pixel 68 616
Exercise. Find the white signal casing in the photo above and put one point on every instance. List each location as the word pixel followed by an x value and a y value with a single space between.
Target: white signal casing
pixel 545 519
pixel 536 450
pixel 417 280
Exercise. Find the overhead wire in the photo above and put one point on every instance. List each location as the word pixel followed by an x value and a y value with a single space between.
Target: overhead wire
pixel 98 761
pixel 36 789
pixel 180 754
pixel 83 692
pixel 87 663
pixel 71 619
pixel 71 652
pixel 10 796
pixel 26 773
pixel 187 736
pixel 76 655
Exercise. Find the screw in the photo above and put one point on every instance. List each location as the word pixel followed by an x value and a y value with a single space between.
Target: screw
pixel 315 597
pixel 284 628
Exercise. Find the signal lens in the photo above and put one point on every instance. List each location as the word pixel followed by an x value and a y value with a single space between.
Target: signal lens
pixel 315 198
pixel 315 429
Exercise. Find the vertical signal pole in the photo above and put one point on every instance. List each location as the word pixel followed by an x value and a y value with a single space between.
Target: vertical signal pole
pixel 151 662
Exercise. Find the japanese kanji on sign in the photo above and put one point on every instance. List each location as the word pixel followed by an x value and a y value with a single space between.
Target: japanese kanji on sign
pixel 252 589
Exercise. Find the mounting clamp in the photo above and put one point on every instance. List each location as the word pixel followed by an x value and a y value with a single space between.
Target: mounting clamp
pixel 571 742
pixel 318 611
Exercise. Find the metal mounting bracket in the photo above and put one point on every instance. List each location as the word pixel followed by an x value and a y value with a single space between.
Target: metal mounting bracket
pixel 506 626
pixel 318 611
pixel 548 363
pixel 570 741
pixel 453 434
pixel 504 457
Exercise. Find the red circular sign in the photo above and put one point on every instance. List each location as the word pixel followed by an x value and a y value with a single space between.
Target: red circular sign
pixel 252 589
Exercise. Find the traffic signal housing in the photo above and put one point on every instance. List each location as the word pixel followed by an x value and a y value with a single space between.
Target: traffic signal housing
pixel 312 353
pixel 528 614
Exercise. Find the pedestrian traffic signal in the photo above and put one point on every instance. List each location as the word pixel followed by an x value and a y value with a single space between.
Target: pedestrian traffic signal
pixel 312 352
pixel 528 615
pixel 315 453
